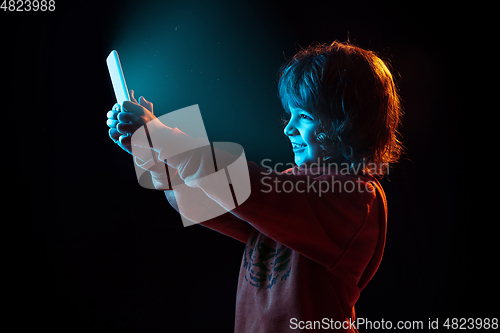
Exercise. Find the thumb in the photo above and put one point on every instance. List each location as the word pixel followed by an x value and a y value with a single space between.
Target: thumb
pixel 148 105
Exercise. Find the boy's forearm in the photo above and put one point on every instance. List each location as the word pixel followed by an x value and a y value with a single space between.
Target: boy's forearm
pixel 170 144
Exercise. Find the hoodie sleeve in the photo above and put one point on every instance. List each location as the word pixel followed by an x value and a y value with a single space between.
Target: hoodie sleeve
pixel 318 215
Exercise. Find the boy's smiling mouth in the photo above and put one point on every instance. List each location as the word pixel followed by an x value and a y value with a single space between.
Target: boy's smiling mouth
pixel 296 147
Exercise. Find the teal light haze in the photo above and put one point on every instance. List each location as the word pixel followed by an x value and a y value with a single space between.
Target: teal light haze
pixel 219 56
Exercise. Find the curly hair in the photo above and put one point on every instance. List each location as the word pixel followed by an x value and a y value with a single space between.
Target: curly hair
pixel 352 93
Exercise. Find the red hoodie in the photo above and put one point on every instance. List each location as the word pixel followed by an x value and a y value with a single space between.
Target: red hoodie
pixel 308 255
pixel 314 239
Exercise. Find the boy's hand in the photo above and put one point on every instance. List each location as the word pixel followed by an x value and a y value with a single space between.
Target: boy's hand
pixel 123 122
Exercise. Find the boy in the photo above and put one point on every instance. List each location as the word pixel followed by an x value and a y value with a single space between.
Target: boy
pixel 315 237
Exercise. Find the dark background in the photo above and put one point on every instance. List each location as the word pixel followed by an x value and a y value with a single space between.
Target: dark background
pixel 96 252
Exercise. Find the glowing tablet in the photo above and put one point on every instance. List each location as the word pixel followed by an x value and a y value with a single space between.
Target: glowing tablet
pixel 117 78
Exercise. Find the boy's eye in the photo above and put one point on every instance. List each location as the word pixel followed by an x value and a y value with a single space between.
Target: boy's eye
pixel 305 116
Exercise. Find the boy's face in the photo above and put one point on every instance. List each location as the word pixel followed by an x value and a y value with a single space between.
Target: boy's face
pixel 300 130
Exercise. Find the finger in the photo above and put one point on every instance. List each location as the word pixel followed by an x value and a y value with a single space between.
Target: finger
pixel 126 117
pixel 132 98
pixel 124 143
pixel 114 134
pixel 147 104
pixel 120 140
pixel 125 140
pixel 125 128
pixel 129 106
pixel 113 114
pixel 116 107
pixel 111 123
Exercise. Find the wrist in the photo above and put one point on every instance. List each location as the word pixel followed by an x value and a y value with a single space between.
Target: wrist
pixel 157 132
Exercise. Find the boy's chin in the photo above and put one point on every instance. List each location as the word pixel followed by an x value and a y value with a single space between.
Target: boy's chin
pixel 304 162
pixel 301 162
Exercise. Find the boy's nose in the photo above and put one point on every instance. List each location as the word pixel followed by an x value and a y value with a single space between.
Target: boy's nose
pixel 290 129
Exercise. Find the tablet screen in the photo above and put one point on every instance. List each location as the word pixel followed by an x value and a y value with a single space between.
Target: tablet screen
pixel 117 78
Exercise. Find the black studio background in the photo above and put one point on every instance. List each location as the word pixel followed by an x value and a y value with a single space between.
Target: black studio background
pixel 97 253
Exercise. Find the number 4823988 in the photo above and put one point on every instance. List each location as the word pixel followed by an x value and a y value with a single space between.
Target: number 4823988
pixel 28 5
